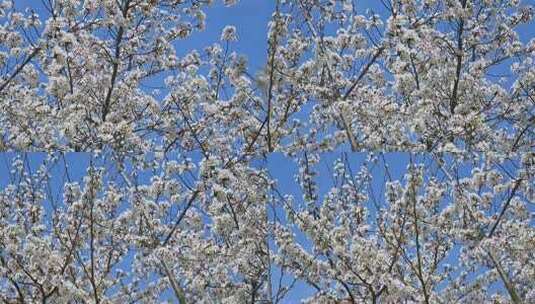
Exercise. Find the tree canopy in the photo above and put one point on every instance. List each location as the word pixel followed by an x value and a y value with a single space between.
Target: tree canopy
pixel 172 195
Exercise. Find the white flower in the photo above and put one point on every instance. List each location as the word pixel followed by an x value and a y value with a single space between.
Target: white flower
pixel 230 2
pixel 229 33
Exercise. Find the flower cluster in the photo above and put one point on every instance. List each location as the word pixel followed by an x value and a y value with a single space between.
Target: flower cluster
pixel 176 202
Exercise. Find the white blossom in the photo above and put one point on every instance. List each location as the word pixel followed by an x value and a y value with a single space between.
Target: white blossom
pixel 229 33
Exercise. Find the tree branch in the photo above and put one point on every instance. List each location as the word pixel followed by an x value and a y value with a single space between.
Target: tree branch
pixel 19 68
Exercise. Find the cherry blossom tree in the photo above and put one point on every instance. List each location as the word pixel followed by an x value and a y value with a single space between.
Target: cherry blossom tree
pixel 419 75
pixel 176 201
pixel 446 230
pixel 433 236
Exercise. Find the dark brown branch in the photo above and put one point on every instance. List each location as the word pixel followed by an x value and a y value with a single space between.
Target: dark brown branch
pixel 181 217
pixel 503 276
pixel 459 59
pixel 115 65
pixel 364 72
pixel 504 208
pixel 345 124
pixel 19 68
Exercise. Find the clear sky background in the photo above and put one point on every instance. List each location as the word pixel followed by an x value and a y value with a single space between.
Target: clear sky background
pixel 250 18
